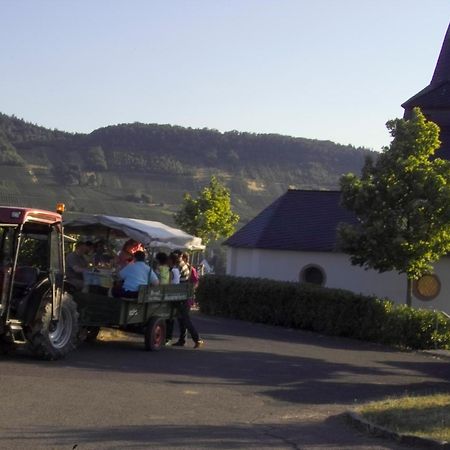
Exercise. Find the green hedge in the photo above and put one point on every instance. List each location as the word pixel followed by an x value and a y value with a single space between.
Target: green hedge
pixel 329 311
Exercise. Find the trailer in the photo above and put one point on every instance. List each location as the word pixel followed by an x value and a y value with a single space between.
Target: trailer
pixel 155 305
pixel 148 314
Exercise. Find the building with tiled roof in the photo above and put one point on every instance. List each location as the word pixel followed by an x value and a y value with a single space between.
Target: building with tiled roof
pixel 296 239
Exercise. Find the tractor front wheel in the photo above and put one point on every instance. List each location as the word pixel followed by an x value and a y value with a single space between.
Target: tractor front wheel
pixel 50 339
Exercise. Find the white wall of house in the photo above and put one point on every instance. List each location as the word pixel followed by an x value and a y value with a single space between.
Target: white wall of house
pixel 339 272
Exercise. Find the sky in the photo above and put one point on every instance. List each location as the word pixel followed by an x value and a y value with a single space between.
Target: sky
pixel 323 69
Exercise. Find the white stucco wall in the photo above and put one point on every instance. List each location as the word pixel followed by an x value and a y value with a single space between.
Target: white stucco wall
pixel 340 273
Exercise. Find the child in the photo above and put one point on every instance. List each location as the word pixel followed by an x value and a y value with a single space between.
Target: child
pixel 163 270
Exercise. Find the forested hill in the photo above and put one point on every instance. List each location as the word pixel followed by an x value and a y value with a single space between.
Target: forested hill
pixel 142 170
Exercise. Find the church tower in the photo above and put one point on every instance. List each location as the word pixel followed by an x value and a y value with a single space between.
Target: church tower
pixel 434 100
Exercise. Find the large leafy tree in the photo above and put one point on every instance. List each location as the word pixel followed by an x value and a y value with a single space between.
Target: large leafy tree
pixel 402 203
pixel 209 215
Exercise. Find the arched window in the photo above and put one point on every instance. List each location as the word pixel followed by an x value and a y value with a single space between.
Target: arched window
pixel 427 287
pixel 313 274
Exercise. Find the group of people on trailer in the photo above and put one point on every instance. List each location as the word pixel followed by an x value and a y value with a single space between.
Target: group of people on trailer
pixel 133 272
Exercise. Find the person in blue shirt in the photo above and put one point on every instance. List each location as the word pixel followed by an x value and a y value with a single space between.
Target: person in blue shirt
pixel 136 274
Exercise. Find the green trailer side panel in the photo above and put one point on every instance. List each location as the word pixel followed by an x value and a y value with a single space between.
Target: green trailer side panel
pixel 161 301
pixel 166 293
pixel 98 310
pixel 139 313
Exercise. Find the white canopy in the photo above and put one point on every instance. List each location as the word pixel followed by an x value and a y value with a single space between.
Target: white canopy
pixel 148 232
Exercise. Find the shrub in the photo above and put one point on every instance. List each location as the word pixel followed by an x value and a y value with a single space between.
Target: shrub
pixel 329 311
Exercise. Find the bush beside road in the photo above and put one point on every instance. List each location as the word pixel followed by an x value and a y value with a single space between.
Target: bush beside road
pixel 333 312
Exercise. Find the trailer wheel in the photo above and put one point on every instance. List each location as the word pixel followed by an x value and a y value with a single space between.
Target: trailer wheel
pixel 53 340
pixel 155 334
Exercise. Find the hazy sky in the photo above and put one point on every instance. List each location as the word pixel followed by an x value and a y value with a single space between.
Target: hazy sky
pixel 324 69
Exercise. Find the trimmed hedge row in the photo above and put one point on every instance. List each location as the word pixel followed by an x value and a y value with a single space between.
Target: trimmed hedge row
pixel 329 311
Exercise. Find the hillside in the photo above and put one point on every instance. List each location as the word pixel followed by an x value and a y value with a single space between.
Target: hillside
pixel 143 170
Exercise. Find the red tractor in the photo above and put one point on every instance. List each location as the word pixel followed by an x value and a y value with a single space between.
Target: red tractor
pixel 35 308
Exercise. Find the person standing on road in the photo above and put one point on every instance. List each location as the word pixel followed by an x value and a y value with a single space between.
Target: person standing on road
pixel 184 321
pixel 181 265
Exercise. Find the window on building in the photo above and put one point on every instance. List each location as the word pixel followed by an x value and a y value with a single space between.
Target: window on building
pixel 427 287
pixel 312 274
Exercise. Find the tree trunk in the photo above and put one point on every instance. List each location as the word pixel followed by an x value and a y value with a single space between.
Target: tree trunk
pixel 409 284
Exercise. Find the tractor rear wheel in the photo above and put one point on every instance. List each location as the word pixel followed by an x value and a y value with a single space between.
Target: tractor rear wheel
pixel 50 339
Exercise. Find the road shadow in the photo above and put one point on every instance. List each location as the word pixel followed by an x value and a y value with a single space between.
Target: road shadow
pixel 291 379
pixel 327 434
pixel 233 327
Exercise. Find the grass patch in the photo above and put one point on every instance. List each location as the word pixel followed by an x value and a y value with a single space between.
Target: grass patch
pixel 424 416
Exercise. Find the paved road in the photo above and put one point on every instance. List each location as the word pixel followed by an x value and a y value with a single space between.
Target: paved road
pixel 250 387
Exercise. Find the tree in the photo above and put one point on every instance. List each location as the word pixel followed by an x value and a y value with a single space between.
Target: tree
pixel 402 203
pixel 96 158
pixel 208 216
pixel 67 174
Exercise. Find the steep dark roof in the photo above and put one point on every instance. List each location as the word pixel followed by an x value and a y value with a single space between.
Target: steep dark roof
pixel 437 93
pixel 442 70
pixel 434 100
pixel 432 97
pixel 298 220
